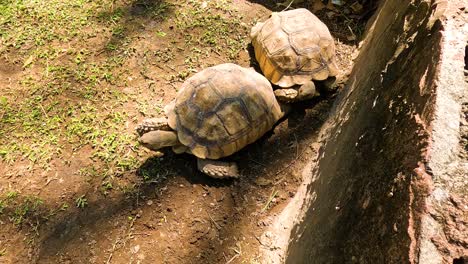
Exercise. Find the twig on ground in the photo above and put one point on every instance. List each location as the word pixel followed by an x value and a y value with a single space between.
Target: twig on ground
pixel 286 8
pixel 238 253
pixel 270 199
pixel 214 222
pixel 258 162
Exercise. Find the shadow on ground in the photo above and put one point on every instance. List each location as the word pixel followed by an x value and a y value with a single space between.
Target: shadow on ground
pixel 193 217
pixel 135 18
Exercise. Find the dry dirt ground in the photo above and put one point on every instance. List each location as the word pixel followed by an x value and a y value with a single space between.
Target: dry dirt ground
pixel 77 76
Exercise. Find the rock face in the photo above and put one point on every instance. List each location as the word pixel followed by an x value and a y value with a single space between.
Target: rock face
pixel 391 179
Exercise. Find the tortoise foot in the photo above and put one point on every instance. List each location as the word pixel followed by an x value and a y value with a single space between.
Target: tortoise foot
pixel 218 169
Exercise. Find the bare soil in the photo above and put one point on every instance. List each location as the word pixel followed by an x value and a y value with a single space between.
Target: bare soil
pixel 164 211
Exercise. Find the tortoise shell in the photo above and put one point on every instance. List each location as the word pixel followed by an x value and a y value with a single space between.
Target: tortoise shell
pixel 294 47
pixel 221 109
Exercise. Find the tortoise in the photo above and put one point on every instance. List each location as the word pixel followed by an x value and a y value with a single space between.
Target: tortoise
pixel 217 112
pixel 294 48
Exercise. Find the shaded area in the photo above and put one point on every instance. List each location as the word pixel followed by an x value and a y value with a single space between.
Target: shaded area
pixel 368 187
pixel 67 232
pixel 133 19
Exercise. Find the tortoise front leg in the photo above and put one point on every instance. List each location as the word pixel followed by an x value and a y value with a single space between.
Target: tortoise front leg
pixel 218 169
pixel 153 124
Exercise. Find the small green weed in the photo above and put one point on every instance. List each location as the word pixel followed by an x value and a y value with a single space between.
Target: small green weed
pixel 81 202
pixel 11 195
pixel 161 34
pixel 2 206
pixel 63 207
pixel 152 171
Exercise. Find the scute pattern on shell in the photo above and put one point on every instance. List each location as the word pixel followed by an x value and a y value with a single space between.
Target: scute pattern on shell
pixel 223 108
pixel 294 47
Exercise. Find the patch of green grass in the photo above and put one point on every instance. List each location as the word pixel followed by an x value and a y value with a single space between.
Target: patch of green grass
pixel 181 75
pixel 37 23
pixel 29 205
pixel 30 120
pixel 129 190
pixel 152 171
pixel 215 24
pixel 150 107
pixel 52 212
pixel 33 128
pixel 11 195
pixel 111 16
pixel 164 55
pixel 19 208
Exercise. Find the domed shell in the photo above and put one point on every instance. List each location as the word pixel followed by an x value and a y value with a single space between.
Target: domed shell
pixel 221 109
pixel 294 47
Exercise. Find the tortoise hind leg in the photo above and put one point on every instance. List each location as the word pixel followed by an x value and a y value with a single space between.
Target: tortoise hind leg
pixel 218 169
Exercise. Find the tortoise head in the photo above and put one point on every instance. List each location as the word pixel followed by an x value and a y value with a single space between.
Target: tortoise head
pixel 158 139
pixel 255 29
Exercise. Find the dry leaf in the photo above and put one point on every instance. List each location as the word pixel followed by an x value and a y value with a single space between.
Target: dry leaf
pixel 28 61
pixel 356 7
pixel 317 6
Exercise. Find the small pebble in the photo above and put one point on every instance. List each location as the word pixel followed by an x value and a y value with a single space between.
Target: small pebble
pixel 135 249
pixel 338 2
